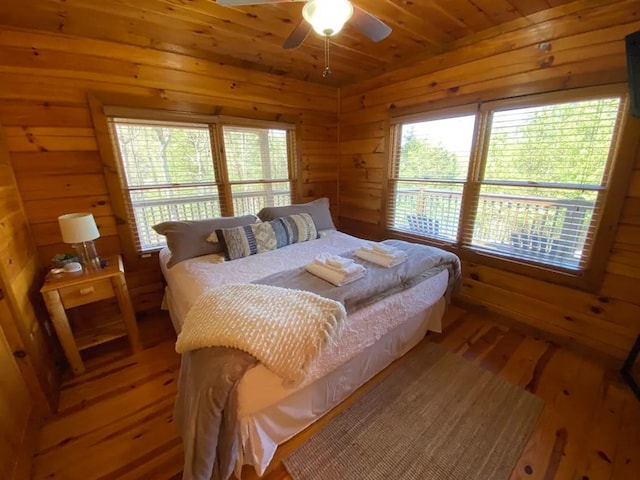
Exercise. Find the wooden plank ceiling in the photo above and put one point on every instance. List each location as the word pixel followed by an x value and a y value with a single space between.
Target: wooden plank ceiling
pixel 251 36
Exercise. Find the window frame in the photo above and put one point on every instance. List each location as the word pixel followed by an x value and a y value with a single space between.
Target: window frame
pixel 395 132
pixel 619 165
pixel 105 106
pixel 113 122
pixel 218 140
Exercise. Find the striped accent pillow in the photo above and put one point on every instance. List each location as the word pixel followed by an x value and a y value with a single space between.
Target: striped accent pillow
pixel 248 240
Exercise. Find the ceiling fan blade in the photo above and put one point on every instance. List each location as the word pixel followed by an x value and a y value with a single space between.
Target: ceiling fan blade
pixel 371 26
pixel 239 3
pixel 298 36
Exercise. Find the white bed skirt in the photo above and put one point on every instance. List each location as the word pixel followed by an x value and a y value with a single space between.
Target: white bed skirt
pixel 270 413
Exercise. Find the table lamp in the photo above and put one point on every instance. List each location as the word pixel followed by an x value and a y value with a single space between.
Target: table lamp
pixel 80 230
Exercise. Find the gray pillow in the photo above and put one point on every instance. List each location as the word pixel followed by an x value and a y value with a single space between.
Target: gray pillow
pixel 318 209
pixel 188 239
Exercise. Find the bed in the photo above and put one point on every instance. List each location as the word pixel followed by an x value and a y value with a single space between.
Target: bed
pixel 270 412
pixel 258 410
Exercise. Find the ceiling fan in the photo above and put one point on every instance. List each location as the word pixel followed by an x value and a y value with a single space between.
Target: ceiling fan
pixel 326 17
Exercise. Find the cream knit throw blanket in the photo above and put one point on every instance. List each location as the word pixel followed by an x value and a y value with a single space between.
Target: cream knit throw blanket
pixel 284 329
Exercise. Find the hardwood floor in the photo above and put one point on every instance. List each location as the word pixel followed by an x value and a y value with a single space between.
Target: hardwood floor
pixel 115 420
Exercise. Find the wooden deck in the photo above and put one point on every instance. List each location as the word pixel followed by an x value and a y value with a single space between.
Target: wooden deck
pixel 115 420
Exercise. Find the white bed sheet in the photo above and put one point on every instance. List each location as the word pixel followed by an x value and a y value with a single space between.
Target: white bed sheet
pixel 270 412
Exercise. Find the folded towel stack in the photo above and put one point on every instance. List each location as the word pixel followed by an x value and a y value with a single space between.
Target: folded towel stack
pixel 381 254
pixel 335 269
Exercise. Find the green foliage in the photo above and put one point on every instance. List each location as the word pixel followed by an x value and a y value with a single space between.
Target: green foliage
pixel 255 154
pixel 171 157
pixel 560 144
pixel 565 143
pixel 422 158
pixel 160 155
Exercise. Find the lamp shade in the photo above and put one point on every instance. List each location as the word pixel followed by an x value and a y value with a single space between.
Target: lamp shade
pixel 78 227
pixel 327 17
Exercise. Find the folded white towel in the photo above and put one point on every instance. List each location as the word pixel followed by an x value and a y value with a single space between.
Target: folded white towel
pixel 335 261
pixel 335 276
pixel 382 248
pixel 349 270
pixel 339 262
pixel 382 259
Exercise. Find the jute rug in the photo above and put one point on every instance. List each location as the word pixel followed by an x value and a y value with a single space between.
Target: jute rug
pixel 435 417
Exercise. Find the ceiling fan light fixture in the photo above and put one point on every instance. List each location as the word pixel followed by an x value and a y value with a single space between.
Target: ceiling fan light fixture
pixel 327 17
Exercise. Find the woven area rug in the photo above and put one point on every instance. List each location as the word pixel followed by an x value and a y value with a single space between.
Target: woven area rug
pixel 436 416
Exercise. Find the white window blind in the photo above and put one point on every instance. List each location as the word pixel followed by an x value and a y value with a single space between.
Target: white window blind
pixel 532 185
pixel 168 174
pixel 545 169
pixel 431 161
pixel 257 161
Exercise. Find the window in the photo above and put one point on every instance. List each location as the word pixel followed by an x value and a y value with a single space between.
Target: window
pixel 258 168
pixel 192 171
pixel 430 172
pixel 545 168
pixel 521 180
pixel 168 174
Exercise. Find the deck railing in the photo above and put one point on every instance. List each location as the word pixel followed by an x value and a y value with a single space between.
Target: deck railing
pixel 153 211
pixel 542 229
pixel 536 228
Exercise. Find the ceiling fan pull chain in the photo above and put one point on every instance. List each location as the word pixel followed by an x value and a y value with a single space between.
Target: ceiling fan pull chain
pixel 327 70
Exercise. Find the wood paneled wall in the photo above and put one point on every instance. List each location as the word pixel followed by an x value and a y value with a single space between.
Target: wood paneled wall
pixel 16 405
pixel 27 334
pixel 45 79
pixel 15 408
pixel 570 46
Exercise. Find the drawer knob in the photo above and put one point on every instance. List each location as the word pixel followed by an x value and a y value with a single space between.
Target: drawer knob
pixel 86 291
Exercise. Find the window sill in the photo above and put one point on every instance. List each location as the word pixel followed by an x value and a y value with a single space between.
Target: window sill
pixel 149 252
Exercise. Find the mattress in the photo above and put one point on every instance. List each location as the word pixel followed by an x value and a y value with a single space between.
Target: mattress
pixel 270 412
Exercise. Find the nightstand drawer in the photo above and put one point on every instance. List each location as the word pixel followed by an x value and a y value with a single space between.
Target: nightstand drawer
pixel 86 293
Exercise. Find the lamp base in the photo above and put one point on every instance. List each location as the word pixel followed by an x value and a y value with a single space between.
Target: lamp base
pixel 87 254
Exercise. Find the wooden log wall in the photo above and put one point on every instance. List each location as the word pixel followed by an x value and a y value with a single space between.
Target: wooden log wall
pixel 19 380
pixel 584 46
pixel 45 79
pixel 28 335
pixel 16 412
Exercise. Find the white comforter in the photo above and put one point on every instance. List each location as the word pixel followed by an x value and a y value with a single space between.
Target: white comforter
pixel 190 278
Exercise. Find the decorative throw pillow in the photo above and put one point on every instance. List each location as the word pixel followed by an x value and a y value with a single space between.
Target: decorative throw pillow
pixel 318 209
pixel 188 239
pixel 248 240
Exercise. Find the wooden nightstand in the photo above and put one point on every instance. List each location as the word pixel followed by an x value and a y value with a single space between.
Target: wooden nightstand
pixel 67 290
